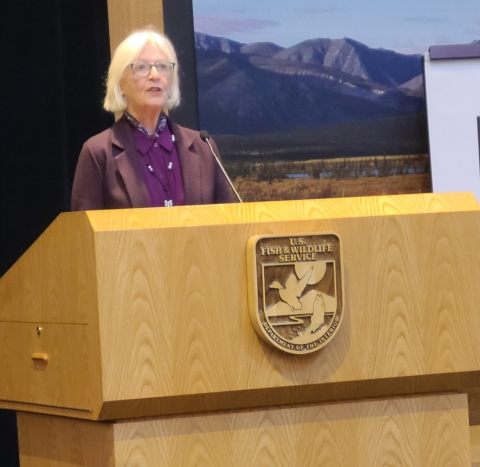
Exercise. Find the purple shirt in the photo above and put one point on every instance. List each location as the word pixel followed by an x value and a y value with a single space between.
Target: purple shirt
pixel 160 167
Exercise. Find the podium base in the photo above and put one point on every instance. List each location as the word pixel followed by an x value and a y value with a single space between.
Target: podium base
pixel 421 431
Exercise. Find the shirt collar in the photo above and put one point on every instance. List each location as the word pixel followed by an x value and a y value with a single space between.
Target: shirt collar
pixel 162 122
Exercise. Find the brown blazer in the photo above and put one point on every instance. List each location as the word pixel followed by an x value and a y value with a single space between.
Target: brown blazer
pixel 109 174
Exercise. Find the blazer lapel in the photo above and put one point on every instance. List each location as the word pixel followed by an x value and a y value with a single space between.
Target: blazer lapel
pixel 128 164
pixel 190 163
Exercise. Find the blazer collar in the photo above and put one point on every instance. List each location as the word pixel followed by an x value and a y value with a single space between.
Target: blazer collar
pixel 129 163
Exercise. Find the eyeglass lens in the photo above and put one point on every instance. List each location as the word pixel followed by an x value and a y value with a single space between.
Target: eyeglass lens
pixel 143 69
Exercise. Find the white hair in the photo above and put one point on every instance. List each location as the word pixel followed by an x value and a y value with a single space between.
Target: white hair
pixel 127 52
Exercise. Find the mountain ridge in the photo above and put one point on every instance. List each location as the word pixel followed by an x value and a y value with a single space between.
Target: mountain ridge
pixel 262 87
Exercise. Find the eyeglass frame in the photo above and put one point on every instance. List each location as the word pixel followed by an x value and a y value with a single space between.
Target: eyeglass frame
pixel 154 65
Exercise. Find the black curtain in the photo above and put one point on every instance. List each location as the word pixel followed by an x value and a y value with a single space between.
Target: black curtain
pixel 55 54
pixel 178 26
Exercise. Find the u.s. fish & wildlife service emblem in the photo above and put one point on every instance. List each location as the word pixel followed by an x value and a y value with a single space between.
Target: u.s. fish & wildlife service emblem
pixel 295 290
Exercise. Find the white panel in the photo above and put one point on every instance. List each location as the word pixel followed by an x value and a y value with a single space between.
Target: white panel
pixel 453 106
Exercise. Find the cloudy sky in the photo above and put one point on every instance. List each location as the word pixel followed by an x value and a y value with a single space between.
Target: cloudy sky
pixel 407 26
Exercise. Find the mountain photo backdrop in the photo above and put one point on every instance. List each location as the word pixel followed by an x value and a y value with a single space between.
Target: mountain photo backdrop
pixel 321 118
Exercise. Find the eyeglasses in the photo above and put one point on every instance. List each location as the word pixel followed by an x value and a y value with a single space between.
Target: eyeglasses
pixel 142 69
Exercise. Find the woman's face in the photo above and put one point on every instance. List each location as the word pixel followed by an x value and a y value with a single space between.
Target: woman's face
pixel 149 93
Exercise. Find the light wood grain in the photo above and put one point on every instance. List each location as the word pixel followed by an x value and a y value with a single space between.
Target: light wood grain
pixel 53 286
pixel 63 380
pixel 124 16
pixel 277 211
pixel 410 297
pixel 48 441
pixel 475 443
pixel 421 431
pixel 55 280
pixel 162 294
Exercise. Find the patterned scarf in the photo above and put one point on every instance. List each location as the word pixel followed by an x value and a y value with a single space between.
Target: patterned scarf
pixel 162 121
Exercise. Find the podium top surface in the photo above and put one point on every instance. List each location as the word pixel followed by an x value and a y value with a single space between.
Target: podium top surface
pixel 186 216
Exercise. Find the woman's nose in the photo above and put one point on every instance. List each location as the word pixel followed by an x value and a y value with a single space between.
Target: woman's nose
pixel 153 73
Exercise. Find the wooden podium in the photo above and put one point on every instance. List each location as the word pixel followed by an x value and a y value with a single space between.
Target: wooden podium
pixel 127 342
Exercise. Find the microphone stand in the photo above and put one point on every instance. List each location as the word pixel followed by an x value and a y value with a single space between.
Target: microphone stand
pixel 205 136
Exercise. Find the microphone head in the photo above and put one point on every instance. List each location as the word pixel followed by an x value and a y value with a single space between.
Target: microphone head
pixel 204 135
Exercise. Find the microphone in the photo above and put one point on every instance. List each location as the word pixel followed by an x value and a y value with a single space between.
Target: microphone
pixel 206 137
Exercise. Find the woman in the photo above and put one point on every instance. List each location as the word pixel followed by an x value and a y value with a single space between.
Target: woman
pixel 145 159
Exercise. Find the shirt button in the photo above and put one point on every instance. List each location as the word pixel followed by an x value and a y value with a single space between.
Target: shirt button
pixel 155 145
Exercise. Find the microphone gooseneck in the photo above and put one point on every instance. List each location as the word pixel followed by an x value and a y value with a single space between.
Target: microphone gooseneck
pixel 206 137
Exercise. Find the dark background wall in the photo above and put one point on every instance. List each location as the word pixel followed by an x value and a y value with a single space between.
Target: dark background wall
pixel 55 54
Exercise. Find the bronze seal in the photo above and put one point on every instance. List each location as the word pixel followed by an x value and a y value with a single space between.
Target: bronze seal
pixel 295 290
